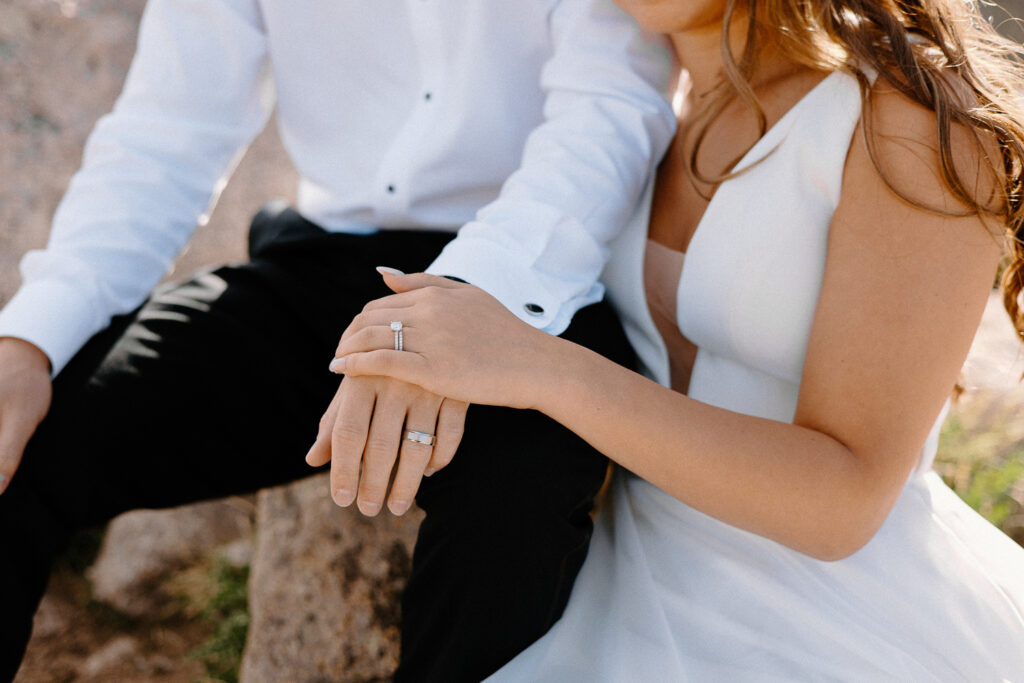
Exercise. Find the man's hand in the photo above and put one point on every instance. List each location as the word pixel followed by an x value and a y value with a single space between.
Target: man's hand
pixel 365 425
pixel 25 393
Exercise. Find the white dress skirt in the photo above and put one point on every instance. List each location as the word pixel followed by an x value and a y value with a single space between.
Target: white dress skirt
pixel 670 594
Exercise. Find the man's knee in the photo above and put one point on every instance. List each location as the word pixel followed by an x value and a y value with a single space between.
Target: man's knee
pixel 522 459
pixel 515 460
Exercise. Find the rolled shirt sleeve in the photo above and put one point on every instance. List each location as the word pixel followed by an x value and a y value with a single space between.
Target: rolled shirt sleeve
pixel 540 246
pixel 151 168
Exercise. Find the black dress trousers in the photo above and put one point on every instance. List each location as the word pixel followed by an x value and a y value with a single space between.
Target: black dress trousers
pixel 215 387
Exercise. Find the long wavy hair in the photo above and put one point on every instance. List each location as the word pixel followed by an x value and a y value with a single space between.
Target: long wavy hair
pixel 942 54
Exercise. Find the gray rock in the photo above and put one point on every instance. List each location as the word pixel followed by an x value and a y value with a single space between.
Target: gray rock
pixel 324 588
pixel 238 553
pixel 142 547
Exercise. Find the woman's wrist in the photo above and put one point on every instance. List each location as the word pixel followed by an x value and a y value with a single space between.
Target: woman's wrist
pixel 556 369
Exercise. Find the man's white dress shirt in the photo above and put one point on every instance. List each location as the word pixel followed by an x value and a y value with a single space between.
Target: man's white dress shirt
pixel 530 124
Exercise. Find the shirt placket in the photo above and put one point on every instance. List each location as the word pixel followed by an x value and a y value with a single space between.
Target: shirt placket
pixel 396 177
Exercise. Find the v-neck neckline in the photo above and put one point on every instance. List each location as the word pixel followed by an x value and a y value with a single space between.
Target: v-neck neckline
pixel 745 160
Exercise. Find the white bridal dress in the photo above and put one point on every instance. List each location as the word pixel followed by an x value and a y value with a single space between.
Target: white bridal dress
pixel 670 594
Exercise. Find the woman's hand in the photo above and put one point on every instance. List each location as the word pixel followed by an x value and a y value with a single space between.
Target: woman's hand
pixel 459 342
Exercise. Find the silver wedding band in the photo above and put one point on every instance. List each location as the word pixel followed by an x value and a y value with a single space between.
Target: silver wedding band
pixel 396 327
pixel 420 437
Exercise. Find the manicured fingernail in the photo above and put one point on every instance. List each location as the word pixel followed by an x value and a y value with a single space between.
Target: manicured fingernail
pixel 399 507
pixel 389 271
pixel 367 508
pixel 343 497
pixel 429 471
pixel 337 366
pixel 3 482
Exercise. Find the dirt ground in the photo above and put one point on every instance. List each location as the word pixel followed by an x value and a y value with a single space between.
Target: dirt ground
pixel 75 639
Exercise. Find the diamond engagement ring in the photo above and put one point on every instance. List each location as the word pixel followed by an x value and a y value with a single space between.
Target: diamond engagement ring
pixel 420 437
pixel 396 327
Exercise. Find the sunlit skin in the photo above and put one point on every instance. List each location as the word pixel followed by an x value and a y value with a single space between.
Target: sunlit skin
pixel 902 295
pixel 673 17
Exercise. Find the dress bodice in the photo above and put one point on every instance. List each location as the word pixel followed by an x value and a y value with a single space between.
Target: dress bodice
pixel 754 267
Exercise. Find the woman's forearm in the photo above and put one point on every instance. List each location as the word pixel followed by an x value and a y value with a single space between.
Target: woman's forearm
pixel 822 485
pixel 792 484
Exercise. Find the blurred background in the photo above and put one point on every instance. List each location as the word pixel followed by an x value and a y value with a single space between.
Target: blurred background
pixel 62 63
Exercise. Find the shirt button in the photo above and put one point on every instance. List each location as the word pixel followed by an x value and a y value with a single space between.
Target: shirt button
pixel 535 310
pixel 391 189
pixel 427 96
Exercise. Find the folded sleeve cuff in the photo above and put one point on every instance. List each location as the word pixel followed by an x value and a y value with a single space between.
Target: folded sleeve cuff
pixel 537 299
pixel 53 315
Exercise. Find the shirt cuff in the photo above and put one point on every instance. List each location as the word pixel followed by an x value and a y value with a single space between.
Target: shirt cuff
pixel 540 300
pixel 52 315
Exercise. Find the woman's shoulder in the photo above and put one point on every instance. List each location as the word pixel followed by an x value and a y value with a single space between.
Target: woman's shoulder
pixel 914 152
